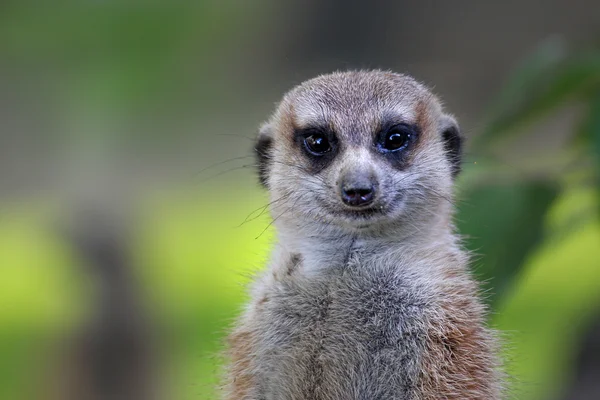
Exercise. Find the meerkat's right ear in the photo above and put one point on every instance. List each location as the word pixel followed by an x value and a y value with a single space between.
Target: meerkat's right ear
pixel 262 149
pixel 453 142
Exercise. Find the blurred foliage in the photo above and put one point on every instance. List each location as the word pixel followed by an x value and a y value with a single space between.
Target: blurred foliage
pixel 503 223
pixel 197 257
pixel 533 222
pixel 550 78
pixel 505 206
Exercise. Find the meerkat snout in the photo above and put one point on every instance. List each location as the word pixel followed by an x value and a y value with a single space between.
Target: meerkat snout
pixel 358 188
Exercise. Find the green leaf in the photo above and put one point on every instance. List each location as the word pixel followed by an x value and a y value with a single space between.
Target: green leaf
pixel 502 224
pixel 544 83
pixel 594 127
pixel 594 135
pixel 523 79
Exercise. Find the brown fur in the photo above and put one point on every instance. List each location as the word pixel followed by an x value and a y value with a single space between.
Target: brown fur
pixel 240 358
pixel 458 361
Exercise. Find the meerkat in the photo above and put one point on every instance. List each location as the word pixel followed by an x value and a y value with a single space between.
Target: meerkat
pixel 367 294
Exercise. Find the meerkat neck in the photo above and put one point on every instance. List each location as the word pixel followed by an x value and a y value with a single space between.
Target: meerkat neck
pixel 325 247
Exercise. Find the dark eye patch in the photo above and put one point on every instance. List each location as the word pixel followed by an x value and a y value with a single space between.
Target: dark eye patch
pixel 395 140
pixel 319 145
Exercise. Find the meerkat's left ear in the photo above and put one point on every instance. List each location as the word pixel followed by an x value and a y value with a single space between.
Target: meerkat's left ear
pixel 262 150
pixel 453 142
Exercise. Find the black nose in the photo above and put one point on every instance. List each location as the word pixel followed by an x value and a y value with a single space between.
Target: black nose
pixel 357 196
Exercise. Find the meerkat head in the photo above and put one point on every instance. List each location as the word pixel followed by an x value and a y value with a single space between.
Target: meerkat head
pixel 361 150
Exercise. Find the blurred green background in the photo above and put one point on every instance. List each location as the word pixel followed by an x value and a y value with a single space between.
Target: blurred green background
pixel 130 215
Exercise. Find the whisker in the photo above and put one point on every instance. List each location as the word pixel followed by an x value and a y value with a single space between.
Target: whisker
pixel 263 208
pixel 226 171
pixel 283 212
pixel 221 163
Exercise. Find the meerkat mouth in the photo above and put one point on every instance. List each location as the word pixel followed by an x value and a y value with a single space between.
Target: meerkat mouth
pixel 367 217
pixel 360 214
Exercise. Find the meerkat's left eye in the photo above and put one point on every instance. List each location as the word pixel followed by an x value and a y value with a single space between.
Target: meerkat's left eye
pixel 396 138
pixel 317 144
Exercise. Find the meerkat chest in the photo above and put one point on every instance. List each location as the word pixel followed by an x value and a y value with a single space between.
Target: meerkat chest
pixel 348 333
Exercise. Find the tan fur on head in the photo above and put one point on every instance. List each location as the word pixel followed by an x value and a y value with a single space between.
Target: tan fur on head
pixel 354 107
pixel 367 294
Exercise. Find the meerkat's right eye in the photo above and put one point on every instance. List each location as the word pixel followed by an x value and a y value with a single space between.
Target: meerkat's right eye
pixel 317 144
pixel 396 138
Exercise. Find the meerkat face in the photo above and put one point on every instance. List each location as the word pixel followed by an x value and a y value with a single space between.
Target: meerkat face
pixel 360 150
